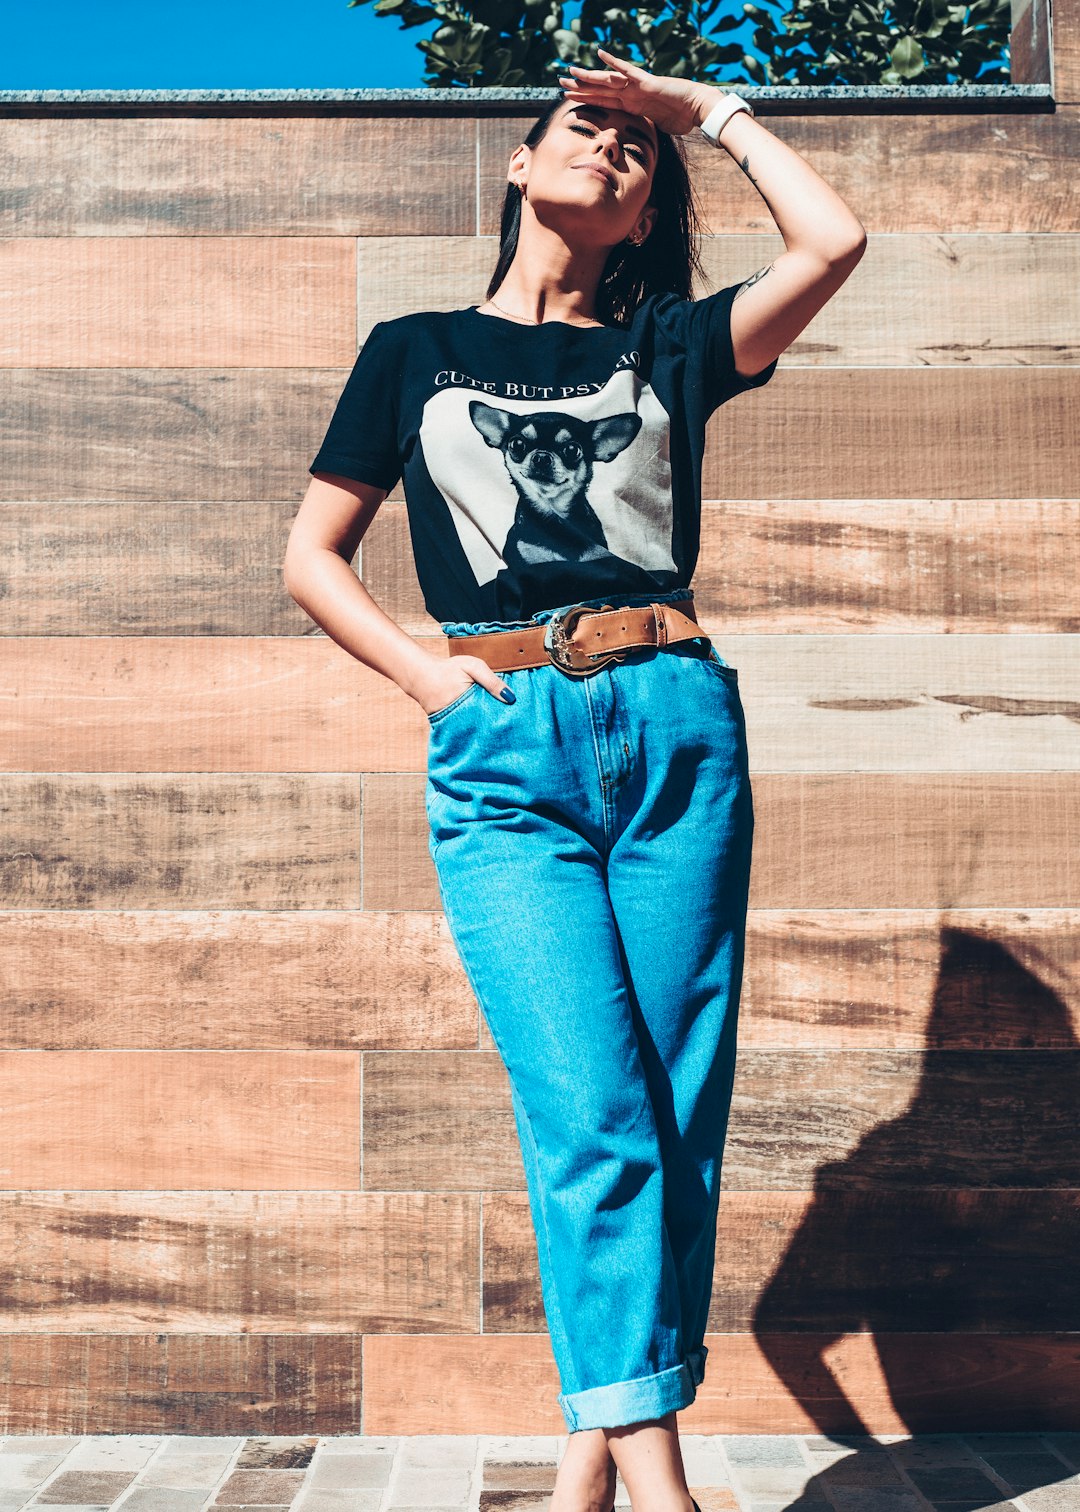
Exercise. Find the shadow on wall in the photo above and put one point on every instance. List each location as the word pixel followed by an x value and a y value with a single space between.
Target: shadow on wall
pixel 960 1216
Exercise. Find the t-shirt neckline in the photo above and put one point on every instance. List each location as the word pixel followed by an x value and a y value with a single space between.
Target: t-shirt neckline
pixel 521 325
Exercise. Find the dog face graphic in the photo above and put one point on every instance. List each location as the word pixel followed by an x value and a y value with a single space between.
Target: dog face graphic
pixel 549 455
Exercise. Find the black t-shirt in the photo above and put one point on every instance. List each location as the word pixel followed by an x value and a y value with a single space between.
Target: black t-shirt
pixel 541 464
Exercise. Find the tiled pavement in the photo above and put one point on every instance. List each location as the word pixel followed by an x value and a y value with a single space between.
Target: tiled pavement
pixel 1031 1472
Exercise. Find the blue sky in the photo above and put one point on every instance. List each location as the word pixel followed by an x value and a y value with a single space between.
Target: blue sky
pixel 214 44
pixel 205 44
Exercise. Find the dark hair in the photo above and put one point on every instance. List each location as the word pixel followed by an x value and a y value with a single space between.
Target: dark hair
pixel 667 259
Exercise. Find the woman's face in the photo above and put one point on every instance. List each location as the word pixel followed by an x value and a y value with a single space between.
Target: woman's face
pixel 595 164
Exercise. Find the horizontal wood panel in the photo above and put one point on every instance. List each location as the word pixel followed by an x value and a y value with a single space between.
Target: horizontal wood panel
pixel 955 565
pixel 915 299
pixel 778 1383
pixel 147 567
pixel 882 433
pixel 987 171
pixel 508 1384
pixel 228 1262
pixel 854 840
pixel 381 175
pixel 417 175
pixel 227 435
pixel 813 703
pixel 834 840
pixel 1003 433
pixel 178 1119
pixel 442 1120
pixel 197 1383
pixel 266 980
pixel 819 565
pixel 829 979
pixel 198 840
pixel 844 1260
pixel 179 302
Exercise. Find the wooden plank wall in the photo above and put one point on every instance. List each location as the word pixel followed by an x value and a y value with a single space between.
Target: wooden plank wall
pixel 259 1169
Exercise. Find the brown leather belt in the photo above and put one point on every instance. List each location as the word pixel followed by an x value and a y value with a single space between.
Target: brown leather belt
pixel 581 638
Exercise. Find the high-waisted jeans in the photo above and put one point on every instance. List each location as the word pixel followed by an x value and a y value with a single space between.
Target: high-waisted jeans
pixel 592 842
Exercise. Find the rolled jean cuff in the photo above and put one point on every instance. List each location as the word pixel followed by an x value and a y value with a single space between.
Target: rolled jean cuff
pixel 636 1401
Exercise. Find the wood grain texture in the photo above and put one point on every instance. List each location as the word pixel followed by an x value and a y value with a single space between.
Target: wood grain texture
pixel 204 840
pixel 813 703
pixel 895 979
pixel 966 566
pixel 96 979
pixel 1004 433
pixel 138 1119
pixel 840 1260
pixel 250 176
pixel 147 567
pixel 846 1260
pixel 228 435
pixel 830 840
pixel 883 1383
pixel 417 176
pixel 442 1120
pixel 891 433
pixel 918 299
pixel 332 1262
pixel 1065 30
pixel 898 979
pixel 196 1383
pixel 1030 43
pixel 112 301
pixel 994 171
pixel 818 565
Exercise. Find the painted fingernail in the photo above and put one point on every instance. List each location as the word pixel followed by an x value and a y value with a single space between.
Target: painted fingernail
pixel 508 697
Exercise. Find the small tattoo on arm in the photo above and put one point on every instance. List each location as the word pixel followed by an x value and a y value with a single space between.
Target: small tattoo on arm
pixel 761 272
pixel 745 166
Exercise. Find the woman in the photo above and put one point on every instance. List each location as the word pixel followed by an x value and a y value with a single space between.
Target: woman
pixel 588 794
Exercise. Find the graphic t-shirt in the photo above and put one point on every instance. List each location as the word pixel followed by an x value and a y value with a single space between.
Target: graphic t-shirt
pixel 545 464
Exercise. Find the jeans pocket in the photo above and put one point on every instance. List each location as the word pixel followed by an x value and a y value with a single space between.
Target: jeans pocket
pixel 456 703
pixel 717 667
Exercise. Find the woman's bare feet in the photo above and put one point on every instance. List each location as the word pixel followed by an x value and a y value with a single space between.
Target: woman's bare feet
pixel 586 1478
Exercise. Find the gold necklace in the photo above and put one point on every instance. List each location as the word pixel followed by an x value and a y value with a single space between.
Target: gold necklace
pixel 530 321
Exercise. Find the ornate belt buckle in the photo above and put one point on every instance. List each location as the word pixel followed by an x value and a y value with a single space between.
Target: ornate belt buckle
pixel 562 652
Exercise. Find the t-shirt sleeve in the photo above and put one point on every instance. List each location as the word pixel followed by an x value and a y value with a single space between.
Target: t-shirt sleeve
pixel 706 329
pixel 361 441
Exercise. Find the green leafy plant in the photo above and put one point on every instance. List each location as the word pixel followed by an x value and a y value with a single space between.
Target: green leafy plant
pixel 486 44
pixel 881 42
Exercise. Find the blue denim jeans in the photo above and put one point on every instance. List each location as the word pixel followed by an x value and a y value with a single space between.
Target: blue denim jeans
pixel 592 842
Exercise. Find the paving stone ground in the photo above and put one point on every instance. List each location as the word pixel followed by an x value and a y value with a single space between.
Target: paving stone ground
pixel 941 1472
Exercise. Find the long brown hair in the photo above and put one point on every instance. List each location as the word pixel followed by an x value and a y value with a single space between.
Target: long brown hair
pixel 667 260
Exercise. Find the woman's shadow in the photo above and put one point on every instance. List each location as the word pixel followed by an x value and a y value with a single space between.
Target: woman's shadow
pixel 960 1216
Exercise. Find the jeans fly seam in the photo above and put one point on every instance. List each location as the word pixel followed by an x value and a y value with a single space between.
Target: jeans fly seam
pixel 605 785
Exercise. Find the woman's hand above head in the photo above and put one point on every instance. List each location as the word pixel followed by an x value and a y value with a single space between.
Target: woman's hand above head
pixel 674 105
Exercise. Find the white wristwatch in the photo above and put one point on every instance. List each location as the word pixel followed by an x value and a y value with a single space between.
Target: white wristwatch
pixel 720 115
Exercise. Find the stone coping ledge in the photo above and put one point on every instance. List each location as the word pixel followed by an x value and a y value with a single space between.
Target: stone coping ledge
pixel 770 100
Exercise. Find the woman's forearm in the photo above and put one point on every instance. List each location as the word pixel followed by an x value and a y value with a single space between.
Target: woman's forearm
pixel 329 591
pixel 808 212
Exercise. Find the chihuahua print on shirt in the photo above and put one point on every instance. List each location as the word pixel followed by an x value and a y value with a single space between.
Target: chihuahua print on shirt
pixel 535 481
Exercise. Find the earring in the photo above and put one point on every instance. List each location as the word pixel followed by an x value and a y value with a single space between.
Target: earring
pixel 635 241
